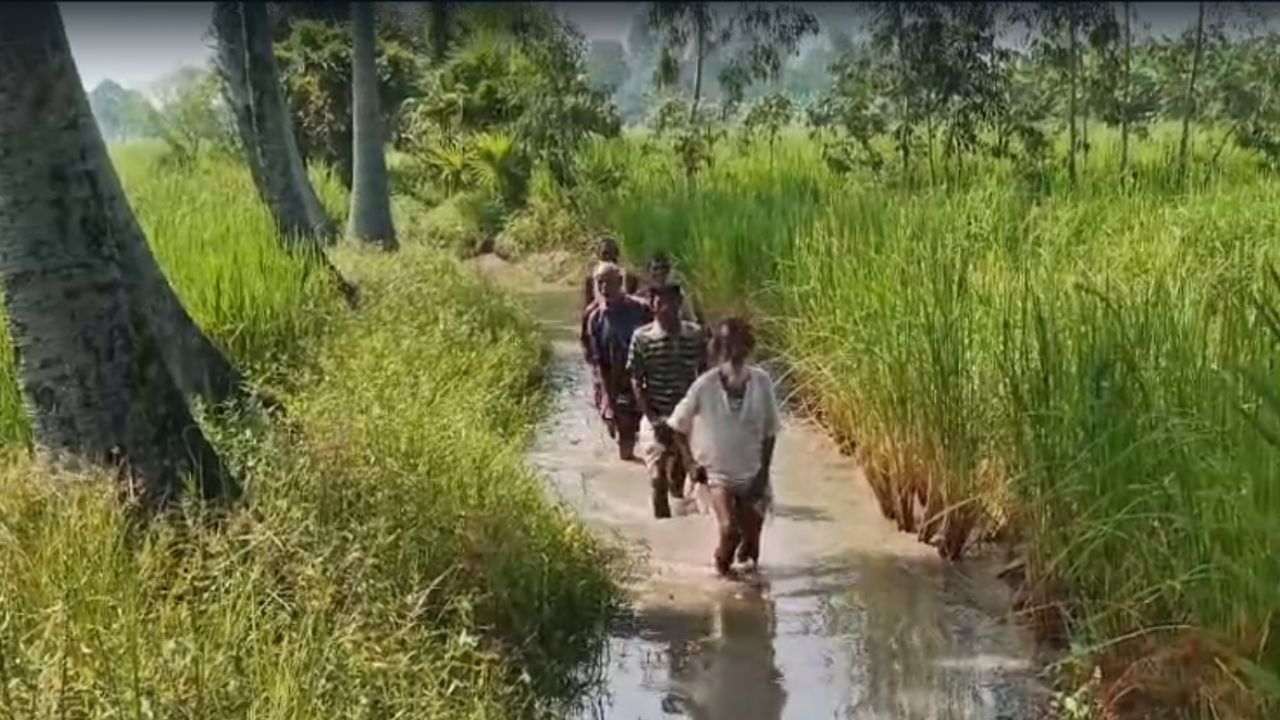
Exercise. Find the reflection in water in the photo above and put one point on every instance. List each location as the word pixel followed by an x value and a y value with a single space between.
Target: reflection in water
pixel 882 643
pixel 704 662
pixel 733 673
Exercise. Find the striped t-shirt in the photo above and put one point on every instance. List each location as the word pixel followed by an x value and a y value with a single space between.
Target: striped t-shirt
pixel 666 364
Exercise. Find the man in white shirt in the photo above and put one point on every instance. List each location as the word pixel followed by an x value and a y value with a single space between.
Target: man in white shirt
pixel 730 420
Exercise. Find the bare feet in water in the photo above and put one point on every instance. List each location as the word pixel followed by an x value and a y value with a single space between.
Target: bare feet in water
pixel 728 574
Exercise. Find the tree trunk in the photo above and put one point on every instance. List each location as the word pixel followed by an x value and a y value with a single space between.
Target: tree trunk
pixel 933 171
pixel 1072 70
pixel 297 208
pixel 252 88
pixel 1128 91
pixel 1189 101
pixel 439 28
pixel 1084 122
pixel 700 43
pixel 228 28
pixel 90 366
pixel 370 215
pixel 905 129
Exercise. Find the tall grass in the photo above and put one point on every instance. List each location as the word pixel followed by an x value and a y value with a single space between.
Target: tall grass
pixel 1008 352
pixel 393 556
pixel 212 236
pixel 214 240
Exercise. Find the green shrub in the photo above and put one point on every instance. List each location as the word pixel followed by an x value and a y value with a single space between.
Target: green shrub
pixel 462 222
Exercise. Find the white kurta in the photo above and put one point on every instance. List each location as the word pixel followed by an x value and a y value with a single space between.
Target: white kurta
pixel 728 443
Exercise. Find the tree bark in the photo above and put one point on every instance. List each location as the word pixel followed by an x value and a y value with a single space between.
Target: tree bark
pixel 252 88
pixel 1084 120
pixel 1184 147
pixel 933 171
pixel 1128 95
pixel 1073 69
pixel 439 29
pixel 370 215
pixel 700 42
pixel 294 200
pixel 228 28
pixel 90 365
pixel 904 142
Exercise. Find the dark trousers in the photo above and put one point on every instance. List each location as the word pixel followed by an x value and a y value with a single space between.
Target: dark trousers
pixel 741 523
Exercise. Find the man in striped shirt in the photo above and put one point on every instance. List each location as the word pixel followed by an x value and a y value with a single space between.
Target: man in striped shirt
pixel 666 356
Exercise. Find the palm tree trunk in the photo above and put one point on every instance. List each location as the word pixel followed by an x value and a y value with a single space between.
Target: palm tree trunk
pixel 439 28
pixel 1128 91
pixel 700 52
pixel 933 171
pixel 252 88
pixel 1084 120
pixel 295 202
pixel 1189 102
pixel 370 215
pixel 904 141
pixel 1072 70
pixel 228 28
pixel 90 366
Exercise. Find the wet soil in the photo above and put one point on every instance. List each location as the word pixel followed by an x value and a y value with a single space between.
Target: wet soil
pixel 846 617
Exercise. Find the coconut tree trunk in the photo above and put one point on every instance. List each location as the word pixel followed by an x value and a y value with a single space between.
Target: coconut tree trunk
pixel 252 88
pixel 199 368
pixel 697 74
pixel 1128 92
pixel 370 215
pixel 700 51
pixel 90 367
pixel 228 28
pixel 439 28
pixel 294 201
pixel 1073 71
pixel 904 140
pixel 1189 103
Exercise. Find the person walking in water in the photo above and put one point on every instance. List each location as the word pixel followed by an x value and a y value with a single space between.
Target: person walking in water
pixel 659 272
pixel 731 421
pixel 607 251
pixel 608 328
pixel 667 355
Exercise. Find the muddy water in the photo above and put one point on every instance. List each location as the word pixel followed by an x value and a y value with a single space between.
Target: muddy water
pixel 847 618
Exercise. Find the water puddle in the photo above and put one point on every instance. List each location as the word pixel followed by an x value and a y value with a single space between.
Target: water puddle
pixel 847 618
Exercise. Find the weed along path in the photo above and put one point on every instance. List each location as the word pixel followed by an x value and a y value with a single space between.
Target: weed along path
pixel 848 617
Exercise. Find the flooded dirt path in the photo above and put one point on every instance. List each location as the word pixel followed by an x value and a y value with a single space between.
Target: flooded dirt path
pixel 848 618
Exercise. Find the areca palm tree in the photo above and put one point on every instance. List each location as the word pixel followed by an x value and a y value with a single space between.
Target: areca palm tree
pixel 370 217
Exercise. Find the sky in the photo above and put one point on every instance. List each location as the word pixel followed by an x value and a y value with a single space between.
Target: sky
pixel 138 43
pixel 135 43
